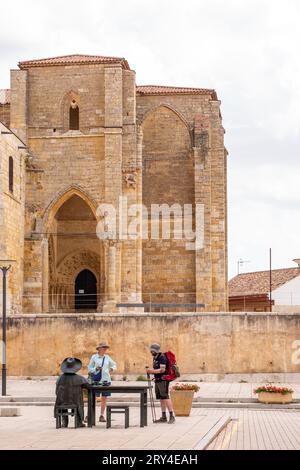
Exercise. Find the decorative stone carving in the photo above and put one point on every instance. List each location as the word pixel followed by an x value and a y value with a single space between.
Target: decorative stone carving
pixel 126 286
pixel 112 243
pixel 76 262
pixel 130 180
pixel 29 162
pixel 52 264
pixel 33 213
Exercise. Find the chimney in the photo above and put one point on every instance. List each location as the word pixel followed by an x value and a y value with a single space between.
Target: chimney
pixel 297 260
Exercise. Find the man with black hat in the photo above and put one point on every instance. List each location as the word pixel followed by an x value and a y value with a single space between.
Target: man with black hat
pixel 69 389
pixel 160 365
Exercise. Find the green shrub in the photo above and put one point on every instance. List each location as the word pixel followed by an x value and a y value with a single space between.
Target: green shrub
pixel 141 378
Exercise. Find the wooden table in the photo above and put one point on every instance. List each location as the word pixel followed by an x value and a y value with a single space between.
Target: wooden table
pixel 142 390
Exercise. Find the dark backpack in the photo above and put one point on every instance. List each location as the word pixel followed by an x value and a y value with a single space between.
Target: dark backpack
pixel 172 369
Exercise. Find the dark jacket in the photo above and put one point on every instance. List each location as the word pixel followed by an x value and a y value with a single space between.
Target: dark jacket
pixel 69 392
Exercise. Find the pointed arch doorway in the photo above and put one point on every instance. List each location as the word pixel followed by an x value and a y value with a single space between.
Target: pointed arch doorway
pixel 75 248
pixel 86 291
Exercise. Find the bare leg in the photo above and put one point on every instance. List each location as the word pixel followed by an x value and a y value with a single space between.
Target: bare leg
pixel 163 406
pixel 169 405
pixel 103 405
pixel 163 418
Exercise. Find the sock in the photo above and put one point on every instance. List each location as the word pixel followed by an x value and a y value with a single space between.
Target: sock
pixel 164 414
pixel 171 413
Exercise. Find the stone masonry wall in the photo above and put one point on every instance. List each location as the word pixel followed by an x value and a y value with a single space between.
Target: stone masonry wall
pixel 5 114
pixel 203 343
pixel 203 118
pixel 168 178
pixel 12 217
pixel 151 149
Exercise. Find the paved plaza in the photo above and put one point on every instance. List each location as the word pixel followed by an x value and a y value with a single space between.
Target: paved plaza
pixel 35 429
pixel 258 430
pixel 248 430
pixel 45 387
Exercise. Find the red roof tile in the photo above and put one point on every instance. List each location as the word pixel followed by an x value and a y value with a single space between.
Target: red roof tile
pixel 76 59
pixel 4 96
pixel 259 282
pixel 174 90
pixel 141 90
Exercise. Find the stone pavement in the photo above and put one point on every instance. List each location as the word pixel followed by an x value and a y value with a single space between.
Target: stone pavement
pixel 258 430
pixel 214 391
pixel 237 391
pixel 248 430
pixel 35 429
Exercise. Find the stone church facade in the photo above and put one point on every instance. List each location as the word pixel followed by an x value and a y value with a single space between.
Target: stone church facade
pixel 84 134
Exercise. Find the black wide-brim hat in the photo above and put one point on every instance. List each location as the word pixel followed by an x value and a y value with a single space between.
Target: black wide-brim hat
pixel 71 365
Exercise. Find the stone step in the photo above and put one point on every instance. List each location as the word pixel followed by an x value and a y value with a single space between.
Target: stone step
pixel 224 405
pixel 13 399
pixel 231 400
pixel 135 399
pixel 212 434
pixel 28 403
pixel 10 412
pixel 248 405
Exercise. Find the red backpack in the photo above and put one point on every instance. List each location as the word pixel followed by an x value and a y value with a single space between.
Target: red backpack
pixel 172 369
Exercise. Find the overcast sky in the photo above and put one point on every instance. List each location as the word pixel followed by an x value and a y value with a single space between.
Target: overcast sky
pixel 248 50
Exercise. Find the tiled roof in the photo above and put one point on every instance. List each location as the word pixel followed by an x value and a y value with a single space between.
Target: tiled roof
pixel 76 59
pixel 4 96
pixel 259 282
pixel 142 90
pixel 174 90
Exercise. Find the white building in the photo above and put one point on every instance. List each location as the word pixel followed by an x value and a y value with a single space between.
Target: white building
pixel 251 291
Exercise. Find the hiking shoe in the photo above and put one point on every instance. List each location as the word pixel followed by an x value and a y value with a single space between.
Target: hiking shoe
pixel 161 420
pixel 171 420
pixel 102 419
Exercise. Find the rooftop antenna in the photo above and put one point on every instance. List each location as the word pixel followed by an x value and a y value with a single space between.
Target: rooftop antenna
pixel 270 255
pixel 240 263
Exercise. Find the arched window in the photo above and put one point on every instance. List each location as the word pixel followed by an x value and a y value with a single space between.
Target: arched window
pixel 11 174
pixel 74 116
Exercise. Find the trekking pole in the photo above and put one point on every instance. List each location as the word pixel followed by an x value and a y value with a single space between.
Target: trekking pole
pixel 152 404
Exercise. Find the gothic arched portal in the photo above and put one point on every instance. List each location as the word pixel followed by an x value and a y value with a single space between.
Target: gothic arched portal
pixel 75 249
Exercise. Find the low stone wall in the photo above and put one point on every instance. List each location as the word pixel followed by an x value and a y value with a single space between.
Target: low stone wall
pixel 203 343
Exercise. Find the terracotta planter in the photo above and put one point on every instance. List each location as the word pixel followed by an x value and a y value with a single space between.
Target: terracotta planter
pixel 267 397
pixel 182 401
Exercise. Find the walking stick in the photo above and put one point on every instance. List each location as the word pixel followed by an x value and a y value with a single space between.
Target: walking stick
pixel 152 404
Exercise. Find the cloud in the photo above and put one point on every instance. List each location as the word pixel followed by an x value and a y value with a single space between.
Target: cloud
pixel 264 203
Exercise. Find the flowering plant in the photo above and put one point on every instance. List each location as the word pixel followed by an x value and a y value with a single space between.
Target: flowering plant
pixel 185 387
pixel 273 389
